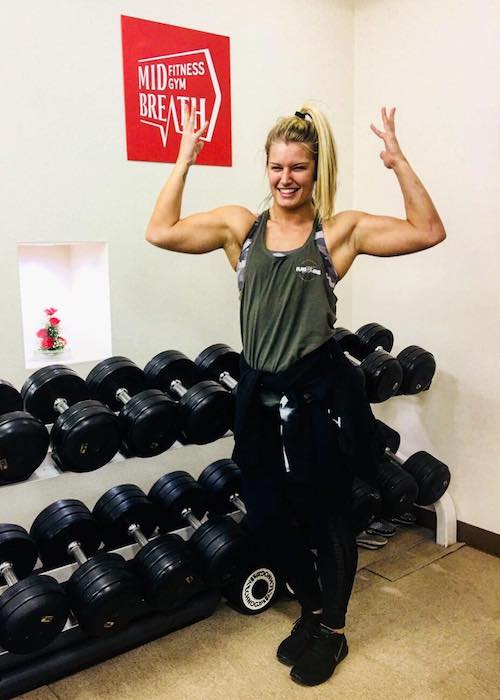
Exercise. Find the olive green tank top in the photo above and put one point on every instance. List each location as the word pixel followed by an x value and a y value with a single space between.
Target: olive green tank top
pixel 288 306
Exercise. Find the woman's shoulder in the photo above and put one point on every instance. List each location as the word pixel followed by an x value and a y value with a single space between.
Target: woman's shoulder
pixel 339 227
pixel 238 219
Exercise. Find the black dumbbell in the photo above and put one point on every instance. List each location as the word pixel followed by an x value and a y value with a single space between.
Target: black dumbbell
pixel 227 559
pixel 221 363
pixel 165 565
pixel 24 440
pixel 85 435
pixel 150 420
pixel 383 373
pixel 418 365
pixel 33 610
pixel 222 482
pixel 207 408
pixel 398 488
pixel 104 594
pixel 432 475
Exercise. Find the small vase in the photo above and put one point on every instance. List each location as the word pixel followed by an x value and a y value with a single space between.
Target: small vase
pixel 51 353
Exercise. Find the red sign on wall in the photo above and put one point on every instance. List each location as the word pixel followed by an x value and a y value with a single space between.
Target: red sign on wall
pixel 165 67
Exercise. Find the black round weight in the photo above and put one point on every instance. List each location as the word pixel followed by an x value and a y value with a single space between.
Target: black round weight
pixel 254 589
pixel 222 481
pixel 24 440
pixel 34 610
pixel 419 367
pixel 398 488
pixel 150 420
pixel 104 593
pixel 165 565
pixel 221 363
pixel 376 337
pixel 45 386
pixel 432 476
pixel 85 435
pixel 10 398
pixel 207 408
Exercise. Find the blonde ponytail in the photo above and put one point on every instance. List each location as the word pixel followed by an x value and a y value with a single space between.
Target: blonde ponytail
pixel 311 128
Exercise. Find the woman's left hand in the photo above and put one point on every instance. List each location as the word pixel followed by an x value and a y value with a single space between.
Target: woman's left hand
pixel 392 154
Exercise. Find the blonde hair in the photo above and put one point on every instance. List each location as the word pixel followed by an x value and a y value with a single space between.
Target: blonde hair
pixel 313 131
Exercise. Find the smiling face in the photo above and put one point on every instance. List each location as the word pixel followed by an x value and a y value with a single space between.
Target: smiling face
pixel 291 173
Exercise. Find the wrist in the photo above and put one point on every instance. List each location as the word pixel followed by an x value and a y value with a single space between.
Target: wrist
pixel 400 162
pixel 182 164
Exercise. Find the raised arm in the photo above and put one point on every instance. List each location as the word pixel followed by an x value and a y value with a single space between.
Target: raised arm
pixel 224 227
pixel 386 235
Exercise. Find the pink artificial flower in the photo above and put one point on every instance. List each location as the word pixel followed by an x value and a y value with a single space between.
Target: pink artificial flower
pixel 47 343
pixel 42 333
pixel 54 321
pixel 50 311
pixel 63 340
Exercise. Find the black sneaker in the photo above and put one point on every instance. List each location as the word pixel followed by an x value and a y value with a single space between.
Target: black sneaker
pixel 369 541
pixel 325 650
pixel 295 644
pixel 408 519
pixel 382 528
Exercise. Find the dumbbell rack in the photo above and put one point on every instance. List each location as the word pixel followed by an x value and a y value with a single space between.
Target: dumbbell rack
pixel 72 651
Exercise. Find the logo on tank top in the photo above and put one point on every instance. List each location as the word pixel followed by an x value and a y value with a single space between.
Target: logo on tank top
pixel 307 270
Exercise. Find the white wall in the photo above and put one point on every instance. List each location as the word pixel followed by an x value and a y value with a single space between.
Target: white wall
pixel 437 62
pixel 65 176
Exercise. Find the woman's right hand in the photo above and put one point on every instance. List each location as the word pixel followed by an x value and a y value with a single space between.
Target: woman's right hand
pixel 190 142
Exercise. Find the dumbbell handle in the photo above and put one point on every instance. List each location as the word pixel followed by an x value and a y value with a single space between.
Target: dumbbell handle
pixel 7 572
pixel 178 388
pixel 187 513
pixel 122 395
pixel 60 405
pixel 352 359
pixel 394 457
pixel 75 551
pixel 235 498
pixel 228 381
pixel 136 532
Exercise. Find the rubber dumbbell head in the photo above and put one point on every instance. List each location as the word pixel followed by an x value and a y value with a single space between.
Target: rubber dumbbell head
pixel 419 368
pixel 33 610
pixel 376 337
pixel 221 363
pixel 24 440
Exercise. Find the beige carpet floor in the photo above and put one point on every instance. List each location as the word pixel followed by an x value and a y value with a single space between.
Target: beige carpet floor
pixel 423 624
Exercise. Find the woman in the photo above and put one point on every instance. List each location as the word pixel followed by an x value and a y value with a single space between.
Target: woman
pixel 303 424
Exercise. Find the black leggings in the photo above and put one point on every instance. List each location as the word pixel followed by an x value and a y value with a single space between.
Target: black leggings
pixel 290 518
